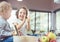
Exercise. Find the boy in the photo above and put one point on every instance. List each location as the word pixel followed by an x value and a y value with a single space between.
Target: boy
pixel 5 31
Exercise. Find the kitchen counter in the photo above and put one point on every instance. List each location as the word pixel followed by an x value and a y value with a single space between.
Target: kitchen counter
pixel 29 39
pixel 25 39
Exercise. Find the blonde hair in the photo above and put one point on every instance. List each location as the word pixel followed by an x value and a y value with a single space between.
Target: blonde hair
pixel 5 6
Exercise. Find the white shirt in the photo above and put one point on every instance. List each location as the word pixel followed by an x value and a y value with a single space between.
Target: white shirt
pixel 23 28
pixel 5 29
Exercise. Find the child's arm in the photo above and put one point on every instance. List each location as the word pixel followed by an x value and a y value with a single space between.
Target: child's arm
pixel 5 30
pixel 28 24
pixel 19 25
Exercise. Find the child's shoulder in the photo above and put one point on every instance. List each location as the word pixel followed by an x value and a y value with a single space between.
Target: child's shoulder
pixel 2 21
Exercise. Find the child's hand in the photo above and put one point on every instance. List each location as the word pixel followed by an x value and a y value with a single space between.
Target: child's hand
pixel 28 19
pixel 15 23
pixel 24 19
pixel 20 33
pixel 14 33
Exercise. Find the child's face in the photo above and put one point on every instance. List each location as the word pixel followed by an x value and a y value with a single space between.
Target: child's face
pixel 22 14
pixel 7 14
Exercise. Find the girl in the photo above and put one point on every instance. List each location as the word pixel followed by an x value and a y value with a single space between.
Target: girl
pixel 23 22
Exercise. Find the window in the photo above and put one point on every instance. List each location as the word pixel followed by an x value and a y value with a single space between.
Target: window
pixel 58 21
pixel 32 19
pixel 40 20
pixel 43 21
pixel 49 21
